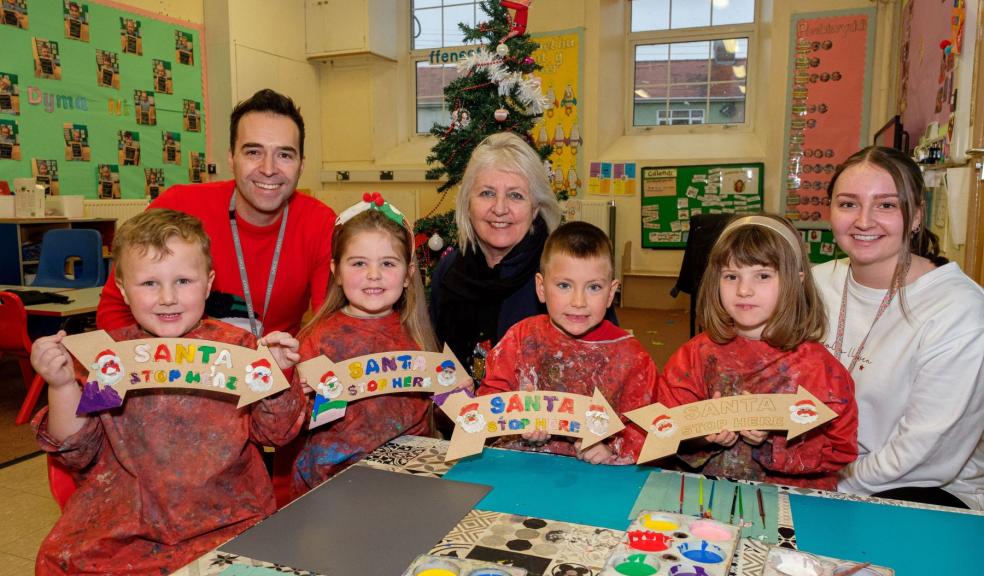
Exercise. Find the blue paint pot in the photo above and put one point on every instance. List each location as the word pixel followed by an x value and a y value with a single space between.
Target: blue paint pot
pixel 702 551
pixel 488 572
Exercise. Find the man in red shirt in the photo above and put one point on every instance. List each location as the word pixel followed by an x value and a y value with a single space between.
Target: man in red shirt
pixel 271 247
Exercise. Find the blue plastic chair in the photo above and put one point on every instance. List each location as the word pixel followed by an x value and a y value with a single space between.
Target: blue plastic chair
pixel 61 244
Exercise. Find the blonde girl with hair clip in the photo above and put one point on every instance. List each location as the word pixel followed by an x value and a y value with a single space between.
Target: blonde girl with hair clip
pixel 375 303
pixel 763 321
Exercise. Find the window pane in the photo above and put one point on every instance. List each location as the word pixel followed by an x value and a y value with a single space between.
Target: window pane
pixel 426 29
pixel 690 83
pixel 431 81
pixel 729 60
pixel 426 3
pixel 452 16
pixel 690 14
pixel 650 15
pixel 732 12
pixel 689 62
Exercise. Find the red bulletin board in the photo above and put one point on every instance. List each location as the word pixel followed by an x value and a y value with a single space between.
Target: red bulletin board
pixel 827 103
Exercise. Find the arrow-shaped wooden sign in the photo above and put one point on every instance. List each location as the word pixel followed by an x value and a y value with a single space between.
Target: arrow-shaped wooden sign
pixel 338 383
pixel 589 418
pixel 667 427
pixel 118 367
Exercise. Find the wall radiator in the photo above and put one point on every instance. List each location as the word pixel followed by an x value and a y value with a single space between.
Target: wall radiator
pixel 119 209
pixel 601 213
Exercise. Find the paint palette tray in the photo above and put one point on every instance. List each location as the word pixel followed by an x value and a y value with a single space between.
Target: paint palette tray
pixel 427 565
pixel 786 562
pixel 667 544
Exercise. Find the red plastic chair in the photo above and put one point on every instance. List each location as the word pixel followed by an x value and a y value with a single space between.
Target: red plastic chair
pixel 61 482
pixel 15 341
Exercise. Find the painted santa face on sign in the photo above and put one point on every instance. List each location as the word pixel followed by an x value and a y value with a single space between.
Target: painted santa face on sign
pixel 329 386
pixel 470 419
pixel 663 426
pixel 259 376
pixel 597 420
pixel 109 368
pixel 445 374
pixel 803 412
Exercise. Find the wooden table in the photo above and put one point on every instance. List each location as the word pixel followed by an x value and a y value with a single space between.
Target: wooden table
pixel 84 301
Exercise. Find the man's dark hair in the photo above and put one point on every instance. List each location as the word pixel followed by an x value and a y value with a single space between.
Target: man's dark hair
pixel 266 100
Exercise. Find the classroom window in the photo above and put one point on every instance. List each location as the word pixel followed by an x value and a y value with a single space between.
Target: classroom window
pixel 436 45
pixel 690 61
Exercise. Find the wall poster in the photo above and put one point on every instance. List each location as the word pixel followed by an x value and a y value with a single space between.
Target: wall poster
pixel 560 55
pixel 827 103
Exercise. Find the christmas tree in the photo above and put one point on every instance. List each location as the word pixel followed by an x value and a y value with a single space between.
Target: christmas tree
pixel 495 91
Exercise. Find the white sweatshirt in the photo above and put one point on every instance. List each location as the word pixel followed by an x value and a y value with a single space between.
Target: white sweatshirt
pixel 919 382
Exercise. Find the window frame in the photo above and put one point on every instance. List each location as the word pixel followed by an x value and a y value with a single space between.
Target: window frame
pixel 423 55
pixel 748 30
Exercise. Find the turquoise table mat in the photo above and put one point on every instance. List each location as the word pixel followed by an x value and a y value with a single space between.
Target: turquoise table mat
pixel 553 487
pixel 662 492
pixel 909 540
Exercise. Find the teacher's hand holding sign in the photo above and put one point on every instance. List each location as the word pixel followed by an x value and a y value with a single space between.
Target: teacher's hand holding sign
pixel 118 367
pixel 589 418
pixel 337 384
pixel 667 427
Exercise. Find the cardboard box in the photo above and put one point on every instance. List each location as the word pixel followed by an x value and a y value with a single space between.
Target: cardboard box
pixel 28 198
pixel 65 206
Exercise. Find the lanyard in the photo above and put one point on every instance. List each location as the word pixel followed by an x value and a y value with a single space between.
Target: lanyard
pixel 242 264
pixel 842 322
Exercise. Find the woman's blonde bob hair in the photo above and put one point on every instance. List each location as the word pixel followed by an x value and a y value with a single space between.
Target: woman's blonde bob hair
pixel 799 316
pixel 507 152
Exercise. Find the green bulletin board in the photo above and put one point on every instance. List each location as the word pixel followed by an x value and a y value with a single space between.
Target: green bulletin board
pixel 819 242
pixel 671 195
pixel 101 100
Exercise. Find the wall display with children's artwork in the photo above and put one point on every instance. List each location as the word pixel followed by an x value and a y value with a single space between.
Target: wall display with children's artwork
pixel 338 383
pixel 45 173
pixel 171 147
pixel 826 104
pixel 612 179
pixel 153 182
pixel 819 241
pixel 589 418
pixel 662 543
pixel 667 427
pixel 185 363
pixel 560 55
pixel 97 71
pixel 671 195
pixel 108 184
pixel 10 141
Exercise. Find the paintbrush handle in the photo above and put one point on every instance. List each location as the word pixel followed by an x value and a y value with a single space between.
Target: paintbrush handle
pixel 854 569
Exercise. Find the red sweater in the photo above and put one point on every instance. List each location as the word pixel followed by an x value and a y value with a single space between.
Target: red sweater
pixel 701 367
pixel 167 477
pixel 535 355
pixel 302 273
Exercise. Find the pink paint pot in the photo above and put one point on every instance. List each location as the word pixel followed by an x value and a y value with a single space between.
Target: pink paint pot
pixel 710 530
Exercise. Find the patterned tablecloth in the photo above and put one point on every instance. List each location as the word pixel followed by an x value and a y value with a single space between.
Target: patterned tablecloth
pixel 544 547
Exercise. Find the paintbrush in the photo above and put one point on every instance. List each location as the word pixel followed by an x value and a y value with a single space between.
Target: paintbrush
pixel 741 508
pixel 700 495
pixel 734 500
pixel 682 484
pixel 710 503
pixel 761 508
pixel 854 569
